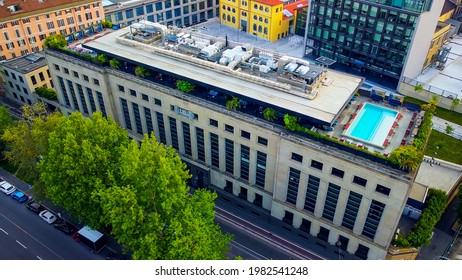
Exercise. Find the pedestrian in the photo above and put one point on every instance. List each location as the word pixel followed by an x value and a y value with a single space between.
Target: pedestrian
pixel 59 214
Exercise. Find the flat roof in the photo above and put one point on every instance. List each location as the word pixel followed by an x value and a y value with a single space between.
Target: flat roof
pixel 325 107
pixel 26 63
pixel 90 234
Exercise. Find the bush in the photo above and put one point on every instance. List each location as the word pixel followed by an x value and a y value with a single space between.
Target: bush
pixel 47 93
pixel 185 86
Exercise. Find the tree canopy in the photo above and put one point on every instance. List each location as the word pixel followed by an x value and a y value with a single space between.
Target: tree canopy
pixel 56 41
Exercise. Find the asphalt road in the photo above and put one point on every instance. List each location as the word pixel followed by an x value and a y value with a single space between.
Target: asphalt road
pixel 25 236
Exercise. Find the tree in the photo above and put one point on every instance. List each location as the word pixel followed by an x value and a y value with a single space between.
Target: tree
pixel 100 59
pixel 270 114
pixel 290 122
pixel 185 86
pixel 455 102
pixel 449 129
pixel 141 71
pixel 114 63
pixel 233 104
pixel 27 141
pixel 106 23
pixel 435 99
pixel 150 212
pixel 407 157
pixel 56 41
pixel 82 159
pixel 47 93
pixel 5 119
pixel 418 88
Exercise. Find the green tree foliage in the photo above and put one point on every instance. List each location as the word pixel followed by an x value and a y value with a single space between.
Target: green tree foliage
pixel 454 103
pixel 47 93
pixel 449 129
pixel 434 207
pixel 106 23
pixel 5 119
pixel 101 59
pixel 57 41
pixel 233 104
pixel 418 88
pixel 291 122
pixel 270 114
pixel 141 72
pixel 27 141
pixel 114 63
pixel 408 157
pixel 185 86
pixel 83 156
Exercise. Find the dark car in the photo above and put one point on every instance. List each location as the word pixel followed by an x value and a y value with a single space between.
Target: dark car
pixel 34 207
pixel 65 226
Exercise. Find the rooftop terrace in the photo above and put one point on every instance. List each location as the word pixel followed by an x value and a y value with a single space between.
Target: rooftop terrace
pixel 272 78
pixel 26 64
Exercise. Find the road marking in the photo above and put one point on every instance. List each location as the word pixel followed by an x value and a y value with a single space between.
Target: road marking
pixel 21 244
pixel 39 258
pixel 4 231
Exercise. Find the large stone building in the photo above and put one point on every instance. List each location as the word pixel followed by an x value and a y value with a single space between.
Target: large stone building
pixel 381 39
pixel 25 24
pixel 177 12
pixel 225 132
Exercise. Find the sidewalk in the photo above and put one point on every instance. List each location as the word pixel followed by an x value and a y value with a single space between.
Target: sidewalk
pixel 441 124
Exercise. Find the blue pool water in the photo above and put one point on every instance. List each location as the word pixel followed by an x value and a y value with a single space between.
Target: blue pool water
pixel 372 124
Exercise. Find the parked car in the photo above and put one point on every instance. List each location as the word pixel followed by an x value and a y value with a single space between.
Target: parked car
pixel 19 196
pixel 65 226
pixel 48 216
pixel 34 207
pixel 7 188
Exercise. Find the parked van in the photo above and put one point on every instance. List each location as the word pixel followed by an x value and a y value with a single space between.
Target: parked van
pixel 91 238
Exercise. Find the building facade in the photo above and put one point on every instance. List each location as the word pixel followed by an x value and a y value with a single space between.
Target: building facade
pixel 322 191
pixel 23 75
pixel 381 38
pixel 25 24
pixel 168 12
pixel 270 20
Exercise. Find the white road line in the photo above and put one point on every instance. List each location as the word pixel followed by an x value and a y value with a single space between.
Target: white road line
pixel 4 231
pixel 39 258
pixel 21 244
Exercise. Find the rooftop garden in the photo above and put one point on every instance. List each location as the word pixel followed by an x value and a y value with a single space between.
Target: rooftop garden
pixel 442 146
pixel 448 115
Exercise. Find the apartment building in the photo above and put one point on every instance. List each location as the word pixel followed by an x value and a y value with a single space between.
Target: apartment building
pixel 23 75
pixel 25 24
pixel 308 184
pixel 381 39
pixel 168 12
pixel 270 20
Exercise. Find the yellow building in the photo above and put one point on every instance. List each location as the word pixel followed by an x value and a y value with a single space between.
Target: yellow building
pixel 268 19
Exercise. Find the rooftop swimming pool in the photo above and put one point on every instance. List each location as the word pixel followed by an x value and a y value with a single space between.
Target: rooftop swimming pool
pixel 372 125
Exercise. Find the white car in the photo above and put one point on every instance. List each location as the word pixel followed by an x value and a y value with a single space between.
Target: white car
pixel 48 216
pixel 7 188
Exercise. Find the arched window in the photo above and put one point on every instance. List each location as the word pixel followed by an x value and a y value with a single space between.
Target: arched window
pixel 234 19
pixel 265 30
pixel 261 8
pixel 260 19
pixel 228 18
pixel 259 28
pixel 254 27
pixel 267 9
pixel 224 16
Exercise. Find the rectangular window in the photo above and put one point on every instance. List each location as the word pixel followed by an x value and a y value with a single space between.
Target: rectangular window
pixel 126 112
pixel 351 210
pixel 157 102
pixel 91 99
pixel 214 150
pixel 373 219
pixel 362 252
pixel 337 172
pixel 245 157
pixel 383 190
pixel 360 181
pixel 75 74
pixel 333 192
pixel 96 82
pixel 297 157
pixel 85 78
pixel 56 67
pixel 149 8
pixel 258 201
pixel 229 128
pixel 200 144
pixel 311 193
pixel 245 134
pixel 139 11
pixel 288 218
pixel 292 186
pixel 99 95
pixel 305 226
pixel 33 79
pixel 129 14
pixel 243 193
pixel 144 97
pixel 73 96
pixel 316 164
pixel 82 98
pixel 229 156
pixel 136 113
pixel 260 172
pixel 161 127
pixel 262 141
pixel 173 133
pixel 148 119
pixel 213 122
pixel 63 89
pixel 187 138
pixel 121 88
pixel 132 92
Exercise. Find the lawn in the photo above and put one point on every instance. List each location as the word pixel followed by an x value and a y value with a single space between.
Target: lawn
pixel 448 147
pixel 440 112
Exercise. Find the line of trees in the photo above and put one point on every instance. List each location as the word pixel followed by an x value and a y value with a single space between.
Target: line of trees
pixel 137 192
